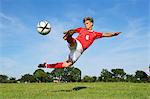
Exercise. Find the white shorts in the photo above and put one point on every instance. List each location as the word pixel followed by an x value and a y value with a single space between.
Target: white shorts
pixel 75 51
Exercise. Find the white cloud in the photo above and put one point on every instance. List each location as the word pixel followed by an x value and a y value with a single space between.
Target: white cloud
pixel 137 28
pixel 11 24
pixel 135 36
pixel 13 31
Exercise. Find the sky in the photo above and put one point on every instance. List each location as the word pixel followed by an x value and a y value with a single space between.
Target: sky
pixel 22 48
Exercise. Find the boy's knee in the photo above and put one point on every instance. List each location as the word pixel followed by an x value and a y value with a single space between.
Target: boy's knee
pixel 67 64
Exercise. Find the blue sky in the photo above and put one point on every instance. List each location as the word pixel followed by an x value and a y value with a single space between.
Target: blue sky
pixel 22 48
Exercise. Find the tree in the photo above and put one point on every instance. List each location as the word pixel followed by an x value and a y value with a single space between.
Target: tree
pixel 58 73
pixel 69 74
pixel 118 74
pixel 49 77
pixel 130 78
pixel 141 76
pixel 12 80
pixel 94 78
pixel 3 78
pixel 148 79
pixel 40 75
pixel 86 79
pixel 73 74
pixel 28 78
pixel 89 78
pixel 105 75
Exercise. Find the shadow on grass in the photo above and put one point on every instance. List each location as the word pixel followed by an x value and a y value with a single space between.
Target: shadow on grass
pixel 73 89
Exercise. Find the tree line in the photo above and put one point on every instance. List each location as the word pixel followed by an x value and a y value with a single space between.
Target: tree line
pixel 73 74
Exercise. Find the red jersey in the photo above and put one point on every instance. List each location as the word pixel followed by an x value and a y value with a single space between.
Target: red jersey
pixel 86 38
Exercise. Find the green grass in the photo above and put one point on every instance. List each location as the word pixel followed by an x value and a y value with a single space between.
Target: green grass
pixel 97 90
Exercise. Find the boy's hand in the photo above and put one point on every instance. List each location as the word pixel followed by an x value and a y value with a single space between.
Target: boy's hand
pixel 116 33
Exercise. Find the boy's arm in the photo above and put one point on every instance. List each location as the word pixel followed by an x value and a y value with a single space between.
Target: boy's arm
pixel 110 34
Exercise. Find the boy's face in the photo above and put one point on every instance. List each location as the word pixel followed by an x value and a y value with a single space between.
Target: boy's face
pixel 88 24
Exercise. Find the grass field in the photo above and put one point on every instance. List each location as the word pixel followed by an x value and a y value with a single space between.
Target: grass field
pixel 97 90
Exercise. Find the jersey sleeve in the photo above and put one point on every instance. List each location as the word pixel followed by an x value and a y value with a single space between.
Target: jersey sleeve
pixel 99 35
pixel 78 30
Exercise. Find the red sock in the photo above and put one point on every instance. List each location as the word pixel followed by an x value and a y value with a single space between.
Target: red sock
pixel 56 65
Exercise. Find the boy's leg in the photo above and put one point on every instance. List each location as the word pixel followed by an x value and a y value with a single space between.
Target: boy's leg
pixel 56 65
pixel 71 41
pixel 73 56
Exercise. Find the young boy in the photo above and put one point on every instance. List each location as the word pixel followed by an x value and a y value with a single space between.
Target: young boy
pixel 86 36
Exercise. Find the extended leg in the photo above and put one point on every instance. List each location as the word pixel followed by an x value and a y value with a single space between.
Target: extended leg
pixel 56 65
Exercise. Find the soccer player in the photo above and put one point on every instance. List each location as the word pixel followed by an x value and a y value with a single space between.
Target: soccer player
pixel 86 36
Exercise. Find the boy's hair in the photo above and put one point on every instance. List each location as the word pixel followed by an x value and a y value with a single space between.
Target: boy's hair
pixel 88 18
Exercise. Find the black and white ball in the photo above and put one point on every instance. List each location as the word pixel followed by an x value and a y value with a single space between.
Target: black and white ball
pixel 43 27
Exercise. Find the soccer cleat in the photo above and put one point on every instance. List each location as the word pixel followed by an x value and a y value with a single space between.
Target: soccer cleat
pixel 42 65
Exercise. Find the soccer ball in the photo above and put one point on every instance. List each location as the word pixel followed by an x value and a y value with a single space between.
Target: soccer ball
pixel 43 27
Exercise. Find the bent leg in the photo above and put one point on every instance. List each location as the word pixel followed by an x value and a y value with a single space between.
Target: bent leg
pixel 75 52
pixel 71 41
